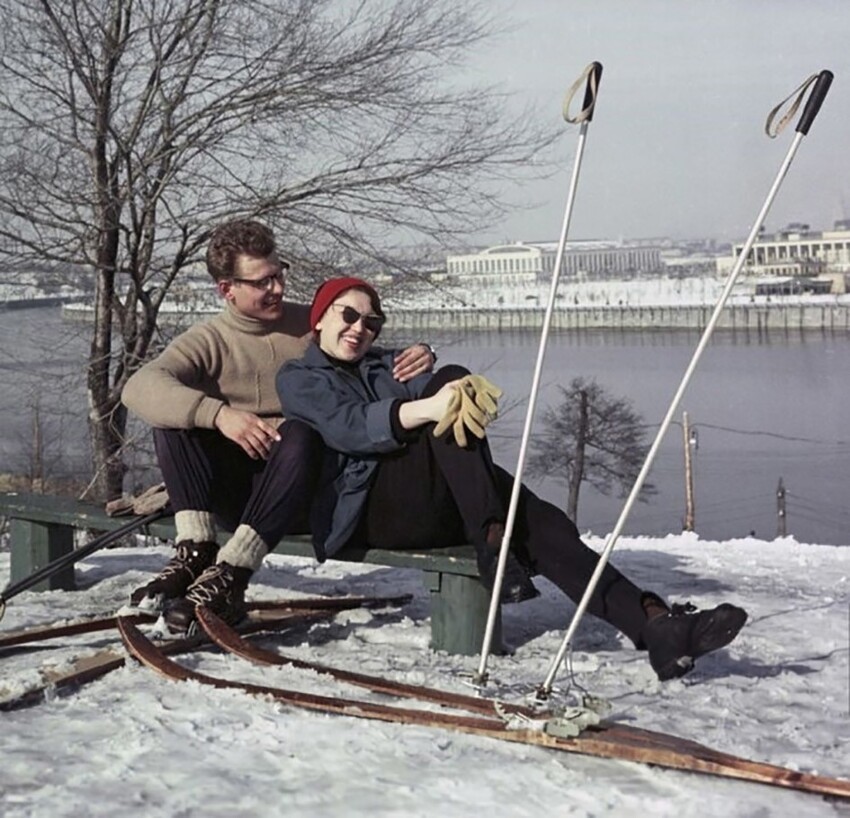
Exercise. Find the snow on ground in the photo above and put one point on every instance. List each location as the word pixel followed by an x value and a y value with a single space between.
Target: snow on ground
pixel 133 743
pixel 574 293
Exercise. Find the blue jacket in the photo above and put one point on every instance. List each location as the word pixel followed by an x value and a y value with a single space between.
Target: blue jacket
pixel 351 408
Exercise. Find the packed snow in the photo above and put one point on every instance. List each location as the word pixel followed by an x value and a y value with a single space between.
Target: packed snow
pixel 134 743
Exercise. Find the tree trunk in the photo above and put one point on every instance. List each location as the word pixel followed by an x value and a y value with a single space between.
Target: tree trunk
pixel 107 423
pixel 577 474
pixel 106 415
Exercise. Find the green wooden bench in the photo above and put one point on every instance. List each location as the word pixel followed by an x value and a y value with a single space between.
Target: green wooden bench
pixel 42 529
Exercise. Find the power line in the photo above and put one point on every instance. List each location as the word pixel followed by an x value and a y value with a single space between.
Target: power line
pixel 739 501
pixel 757 433
pixel 825 517
pixel 798 515
pixel 803 499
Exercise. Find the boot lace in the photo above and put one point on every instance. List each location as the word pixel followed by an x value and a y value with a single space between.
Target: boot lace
pixel 181 561
pixel 213 585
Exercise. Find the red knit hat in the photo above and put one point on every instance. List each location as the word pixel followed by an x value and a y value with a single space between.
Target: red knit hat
pixel 328 291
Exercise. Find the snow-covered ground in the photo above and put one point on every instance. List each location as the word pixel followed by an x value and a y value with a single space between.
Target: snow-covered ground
pixel 133 743
pixel 660 291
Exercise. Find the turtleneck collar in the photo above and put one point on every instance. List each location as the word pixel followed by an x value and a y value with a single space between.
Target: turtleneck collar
pixel 246 324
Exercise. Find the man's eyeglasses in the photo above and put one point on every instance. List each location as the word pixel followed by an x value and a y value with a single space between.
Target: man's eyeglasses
pixel 264 283
pixel 373 323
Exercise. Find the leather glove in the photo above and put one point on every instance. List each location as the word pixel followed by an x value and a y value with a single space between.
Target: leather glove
pixel 470 415
pixel 450 415
pixel 462 423
pixel 473 406
pixel 153 499
pixel 485 394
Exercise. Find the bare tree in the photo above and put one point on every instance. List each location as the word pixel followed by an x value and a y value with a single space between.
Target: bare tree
pixel 591 437
pixel 130 127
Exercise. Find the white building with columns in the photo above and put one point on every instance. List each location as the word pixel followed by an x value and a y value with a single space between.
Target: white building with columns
pixel 797 253
pixel 524 265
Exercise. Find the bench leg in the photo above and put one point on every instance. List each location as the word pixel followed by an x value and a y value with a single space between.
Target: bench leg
pixel 459 608
pixel 34 545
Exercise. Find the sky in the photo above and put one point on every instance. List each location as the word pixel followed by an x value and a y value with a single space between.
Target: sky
pixel 677 145
pixel 135 744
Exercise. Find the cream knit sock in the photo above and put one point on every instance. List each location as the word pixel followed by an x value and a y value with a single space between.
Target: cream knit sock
pixel 245 549
pixel 195 526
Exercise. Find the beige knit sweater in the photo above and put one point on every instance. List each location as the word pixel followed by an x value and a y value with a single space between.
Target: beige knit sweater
pixel 231 359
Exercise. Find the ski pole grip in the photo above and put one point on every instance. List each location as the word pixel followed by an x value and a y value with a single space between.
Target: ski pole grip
pixel 814 102
pixel 594 77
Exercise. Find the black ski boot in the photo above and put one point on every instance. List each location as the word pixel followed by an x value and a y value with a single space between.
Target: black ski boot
pixel 221 588
pixel 676 638
pixel 188 563
pixel 516 582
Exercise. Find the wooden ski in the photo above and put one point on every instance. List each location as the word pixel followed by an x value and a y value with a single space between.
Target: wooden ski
pixel 98 664
pixel 263 615
pixel 608 740
pixel 43 633
pixel 228 638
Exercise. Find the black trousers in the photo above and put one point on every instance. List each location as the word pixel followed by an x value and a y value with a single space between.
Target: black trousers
pixel 204 471
pixel 435 493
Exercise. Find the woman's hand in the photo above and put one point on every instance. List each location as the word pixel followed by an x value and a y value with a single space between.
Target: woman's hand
pixel 417 413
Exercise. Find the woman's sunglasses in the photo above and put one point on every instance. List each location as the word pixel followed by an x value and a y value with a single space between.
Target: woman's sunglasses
pixel 373 323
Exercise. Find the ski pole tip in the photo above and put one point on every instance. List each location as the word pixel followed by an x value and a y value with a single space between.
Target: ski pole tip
pixel 480 680
pixel 816 98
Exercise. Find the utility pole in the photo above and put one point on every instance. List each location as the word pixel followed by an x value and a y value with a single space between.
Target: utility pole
pixel 781 518
pixel 689 475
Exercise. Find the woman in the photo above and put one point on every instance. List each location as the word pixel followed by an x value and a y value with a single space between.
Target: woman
pixel 389 482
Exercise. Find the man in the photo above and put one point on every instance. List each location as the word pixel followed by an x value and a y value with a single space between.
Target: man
pixel 226 455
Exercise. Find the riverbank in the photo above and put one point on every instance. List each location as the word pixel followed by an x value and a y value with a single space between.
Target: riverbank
pixel 825 314
pixel 40 301
pixel 755 317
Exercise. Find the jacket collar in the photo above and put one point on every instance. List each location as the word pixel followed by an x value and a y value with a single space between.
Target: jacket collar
pixel 316 358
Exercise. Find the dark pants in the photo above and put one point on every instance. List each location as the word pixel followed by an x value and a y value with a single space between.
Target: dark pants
pixel 204 471
pixel 435 493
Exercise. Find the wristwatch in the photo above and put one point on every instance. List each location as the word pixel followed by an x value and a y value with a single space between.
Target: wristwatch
pixel 430 349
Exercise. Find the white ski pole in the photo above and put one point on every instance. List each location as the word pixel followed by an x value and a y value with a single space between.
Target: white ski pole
pixel 593 75
pixel 821 82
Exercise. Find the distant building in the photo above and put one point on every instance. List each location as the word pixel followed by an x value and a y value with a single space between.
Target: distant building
pixel 793 286
pixel 527 264
pixel 797 259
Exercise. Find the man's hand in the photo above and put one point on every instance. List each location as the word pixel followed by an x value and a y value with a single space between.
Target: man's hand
pixel 412 361
pixel 252 433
